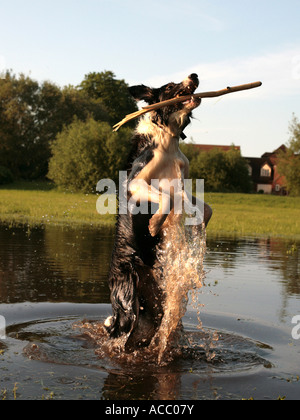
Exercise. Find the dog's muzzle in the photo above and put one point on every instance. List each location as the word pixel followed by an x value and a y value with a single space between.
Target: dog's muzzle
pixel 191 82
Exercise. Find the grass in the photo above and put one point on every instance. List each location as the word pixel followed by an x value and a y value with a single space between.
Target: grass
pixel 40 203
pixel 255 214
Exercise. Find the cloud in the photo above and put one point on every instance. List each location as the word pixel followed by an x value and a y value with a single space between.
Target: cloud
pixel 279 71
pixel 2 63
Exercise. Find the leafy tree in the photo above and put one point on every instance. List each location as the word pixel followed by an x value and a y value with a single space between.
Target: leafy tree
pixel 289 161
pixel 238 178
pixel 85 152
pixel 6 176
pixel 18 132
pixel 111 93
pixel 221 171
pixel 31 115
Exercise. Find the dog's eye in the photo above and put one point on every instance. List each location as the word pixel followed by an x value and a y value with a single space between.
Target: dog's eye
pixel 170 87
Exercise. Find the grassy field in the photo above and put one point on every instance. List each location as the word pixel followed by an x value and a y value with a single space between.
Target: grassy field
pixel 39 203
pixel 255 214
pixel 35 204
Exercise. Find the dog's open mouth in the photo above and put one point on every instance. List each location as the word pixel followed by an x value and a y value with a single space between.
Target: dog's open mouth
pixel 192 103
pixel 191 83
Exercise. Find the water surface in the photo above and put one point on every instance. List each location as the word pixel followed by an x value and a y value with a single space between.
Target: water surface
pixel 52 279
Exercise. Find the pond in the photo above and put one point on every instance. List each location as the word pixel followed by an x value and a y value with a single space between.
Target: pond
pixel 54 278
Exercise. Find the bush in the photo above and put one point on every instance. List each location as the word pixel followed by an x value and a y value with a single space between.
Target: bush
pixel 222 171
pixel 289 159
pixel 6 176
pixel 85 152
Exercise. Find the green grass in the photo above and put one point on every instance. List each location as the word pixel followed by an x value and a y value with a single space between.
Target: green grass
pixel 254 214
pixel 40 203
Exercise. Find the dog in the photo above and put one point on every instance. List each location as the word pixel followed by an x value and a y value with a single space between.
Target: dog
pixel 135 272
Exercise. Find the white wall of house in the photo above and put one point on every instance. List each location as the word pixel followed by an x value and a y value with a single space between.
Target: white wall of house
pixel 266 188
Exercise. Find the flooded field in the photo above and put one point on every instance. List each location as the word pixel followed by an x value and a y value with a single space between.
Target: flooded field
pixel 54 279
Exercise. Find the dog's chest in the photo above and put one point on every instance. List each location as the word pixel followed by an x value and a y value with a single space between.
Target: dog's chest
pixel 164 166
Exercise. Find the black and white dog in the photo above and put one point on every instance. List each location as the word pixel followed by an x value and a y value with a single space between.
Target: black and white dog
pixel 136 297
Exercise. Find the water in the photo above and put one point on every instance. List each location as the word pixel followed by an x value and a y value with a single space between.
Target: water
pixel 53 279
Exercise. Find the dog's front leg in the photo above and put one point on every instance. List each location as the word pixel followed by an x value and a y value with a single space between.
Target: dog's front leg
pixel 155 193
pixel 202 210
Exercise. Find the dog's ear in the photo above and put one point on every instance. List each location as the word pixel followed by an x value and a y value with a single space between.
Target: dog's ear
pixel 142 93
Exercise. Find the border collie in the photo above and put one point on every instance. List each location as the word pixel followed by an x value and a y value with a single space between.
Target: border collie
pixel 135 272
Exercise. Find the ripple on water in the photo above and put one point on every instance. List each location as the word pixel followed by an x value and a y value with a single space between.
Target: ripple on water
pixel 59 341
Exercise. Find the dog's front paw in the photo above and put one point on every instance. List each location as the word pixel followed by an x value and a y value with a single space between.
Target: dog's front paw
pixel 156 223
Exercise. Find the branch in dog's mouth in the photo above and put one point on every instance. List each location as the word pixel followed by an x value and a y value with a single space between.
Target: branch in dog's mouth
pixel 187 99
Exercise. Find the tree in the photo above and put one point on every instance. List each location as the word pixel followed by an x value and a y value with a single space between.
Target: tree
pixel 18 132
pixel 238 178
pixel 85 152
pixel 289 161
pixel 31 115
pixel 6 176
pixel 221 171
pixel 111 93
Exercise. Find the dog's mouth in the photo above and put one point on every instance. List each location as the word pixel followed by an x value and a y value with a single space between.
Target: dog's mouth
pixel 190 84
pixel 192 103
pixel 179 112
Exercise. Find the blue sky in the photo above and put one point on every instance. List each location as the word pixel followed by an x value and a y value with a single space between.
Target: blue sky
pixel 153 42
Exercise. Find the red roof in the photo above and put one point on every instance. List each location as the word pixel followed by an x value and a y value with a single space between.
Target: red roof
pixel 208 147
pixel 282 148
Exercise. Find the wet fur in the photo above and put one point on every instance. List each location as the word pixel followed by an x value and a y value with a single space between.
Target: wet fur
pixel 135 272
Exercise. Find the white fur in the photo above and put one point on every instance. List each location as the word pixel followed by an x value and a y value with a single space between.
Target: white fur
pixel 147 128
pixel 108 322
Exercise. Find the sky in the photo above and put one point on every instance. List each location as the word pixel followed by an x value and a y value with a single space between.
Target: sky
pixel 154 42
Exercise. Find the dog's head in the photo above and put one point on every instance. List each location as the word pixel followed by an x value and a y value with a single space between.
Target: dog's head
pixel 176 116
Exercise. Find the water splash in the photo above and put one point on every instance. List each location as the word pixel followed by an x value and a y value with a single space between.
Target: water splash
pixel 181 255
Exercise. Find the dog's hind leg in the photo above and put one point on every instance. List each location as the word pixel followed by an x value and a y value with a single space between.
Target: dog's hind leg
pixel 124 282
pixel 143 192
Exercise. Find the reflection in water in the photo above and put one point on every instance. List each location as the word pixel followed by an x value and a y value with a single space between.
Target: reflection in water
pixel 272 262
pixel 54 264
pixel 70 265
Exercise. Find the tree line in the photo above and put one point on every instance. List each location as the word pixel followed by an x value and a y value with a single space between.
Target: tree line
pixel 65 134
pixel 222 171
pixel 32 115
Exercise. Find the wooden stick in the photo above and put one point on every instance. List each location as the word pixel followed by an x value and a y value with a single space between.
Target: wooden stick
pixel 173 101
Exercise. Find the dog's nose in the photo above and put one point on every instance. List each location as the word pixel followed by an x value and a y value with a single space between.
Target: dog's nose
pixel 194 78
pixel 191 81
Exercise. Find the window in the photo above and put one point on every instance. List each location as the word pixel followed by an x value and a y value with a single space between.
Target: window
pixel 265 171
pixel 277 188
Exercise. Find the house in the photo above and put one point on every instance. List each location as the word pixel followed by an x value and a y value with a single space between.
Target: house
pixel 265 175
pixel 263 170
